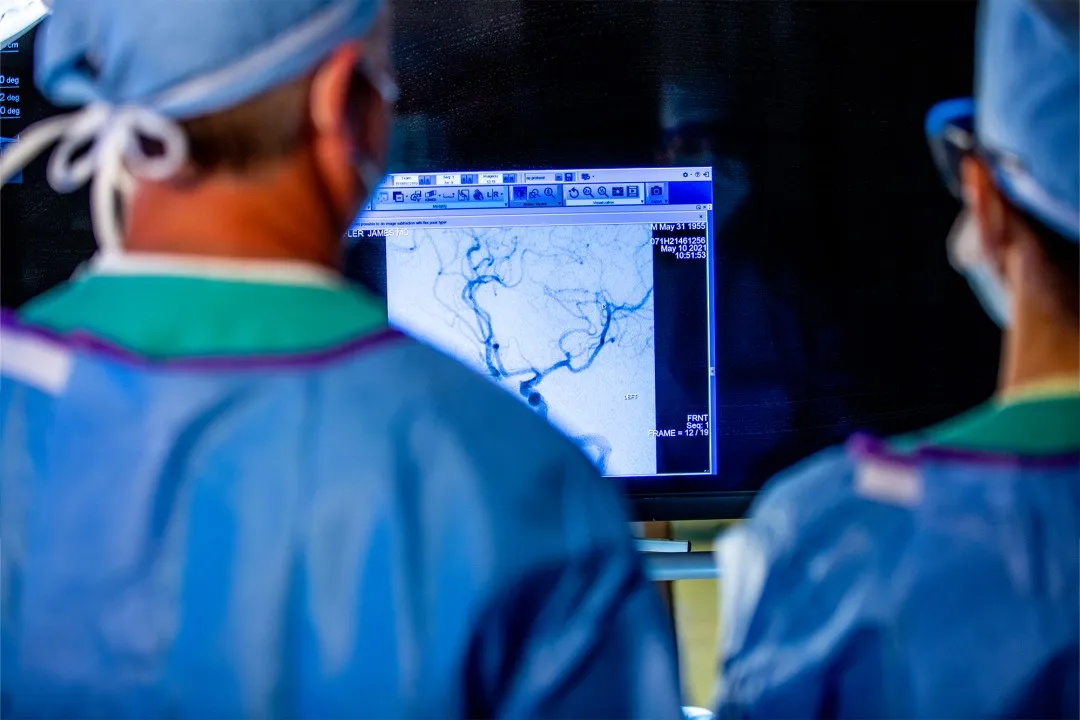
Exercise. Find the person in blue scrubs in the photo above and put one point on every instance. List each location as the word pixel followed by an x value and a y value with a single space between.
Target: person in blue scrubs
pixel 936 575
pixel 228 488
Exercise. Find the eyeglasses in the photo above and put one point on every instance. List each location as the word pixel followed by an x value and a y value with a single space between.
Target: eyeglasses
pixel 950 131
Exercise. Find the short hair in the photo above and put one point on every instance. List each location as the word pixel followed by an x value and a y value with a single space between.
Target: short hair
pixel 264 128
pixel 1063 257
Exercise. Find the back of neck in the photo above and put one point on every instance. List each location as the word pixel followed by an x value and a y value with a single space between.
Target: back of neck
pixel 276 219
pixel 1039 348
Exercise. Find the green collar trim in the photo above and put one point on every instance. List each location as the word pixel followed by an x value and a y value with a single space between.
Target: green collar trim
pixel 184 316
pixel 1036 426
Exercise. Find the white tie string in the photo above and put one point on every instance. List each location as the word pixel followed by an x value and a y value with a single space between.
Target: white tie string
pixel 111 137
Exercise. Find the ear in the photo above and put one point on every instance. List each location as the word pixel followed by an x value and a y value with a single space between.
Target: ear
pixel 333 141
pixel 989 209
pixel 330 90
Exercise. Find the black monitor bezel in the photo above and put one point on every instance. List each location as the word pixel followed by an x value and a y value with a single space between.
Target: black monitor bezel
pixel 727 505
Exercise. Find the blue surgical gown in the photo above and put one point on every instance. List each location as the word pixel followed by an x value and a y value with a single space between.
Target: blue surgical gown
pixel 372 531
pixel 939 583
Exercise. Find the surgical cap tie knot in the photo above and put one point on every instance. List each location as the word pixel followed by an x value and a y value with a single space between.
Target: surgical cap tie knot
pixel 104 145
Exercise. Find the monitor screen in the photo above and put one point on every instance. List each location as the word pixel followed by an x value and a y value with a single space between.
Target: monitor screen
pixel 587 294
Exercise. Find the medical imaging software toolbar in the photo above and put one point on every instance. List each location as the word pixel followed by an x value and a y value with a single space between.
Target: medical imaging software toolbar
pixel 587 294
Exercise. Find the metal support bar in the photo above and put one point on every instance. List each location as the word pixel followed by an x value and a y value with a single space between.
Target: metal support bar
pixel 662 546
pixel 667 566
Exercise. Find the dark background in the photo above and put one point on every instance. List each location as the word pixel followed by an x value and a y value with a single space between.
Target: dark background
pixel 837 309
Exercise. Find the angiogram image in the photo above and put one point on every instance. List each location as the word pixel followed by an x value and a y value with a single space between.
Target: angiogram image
pixel 561 316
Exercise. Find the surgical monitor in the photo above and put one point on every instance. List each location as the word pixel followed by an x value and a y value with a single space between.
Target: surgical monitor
pixel 587 293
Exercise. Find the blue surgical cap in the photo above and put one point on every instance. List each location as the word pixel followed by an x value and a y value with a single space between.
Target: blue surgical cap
pixel 1027 98
pixel 186 58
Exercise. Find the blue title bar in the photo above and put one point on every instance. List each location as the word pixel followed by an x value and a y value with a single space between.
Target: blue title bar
pixel 512 177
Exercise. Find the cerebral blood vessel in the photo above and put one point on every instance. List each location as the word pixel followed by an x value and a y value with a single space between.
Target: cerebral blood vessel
pixel 498 261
